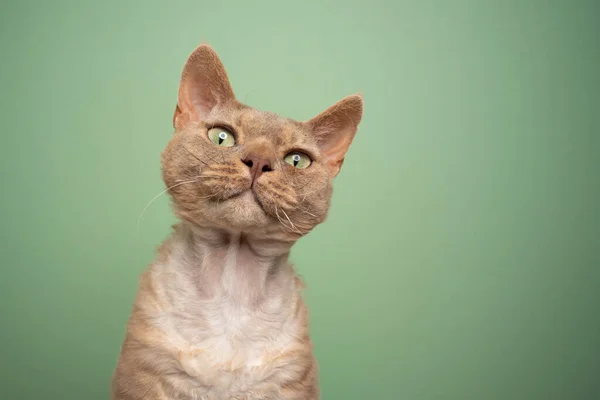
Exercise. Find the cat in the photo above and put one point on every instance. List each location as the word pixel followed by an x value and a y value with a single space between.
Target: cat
pixel 219 315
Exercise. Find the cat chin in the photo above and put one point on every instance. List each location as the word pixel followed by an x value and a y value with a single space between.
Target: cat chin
pixel 241 213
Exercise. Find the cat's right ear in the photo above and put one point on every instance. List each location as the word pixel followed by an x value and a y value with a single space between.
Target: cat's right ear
pixel 204 85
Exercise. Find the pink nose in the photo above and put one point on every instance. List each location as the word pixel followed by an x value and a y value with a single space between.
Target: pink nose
pixel 257 166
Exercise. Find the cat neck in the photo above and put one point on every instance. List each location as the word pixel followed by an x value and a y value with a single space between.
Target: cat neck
pixel 244 267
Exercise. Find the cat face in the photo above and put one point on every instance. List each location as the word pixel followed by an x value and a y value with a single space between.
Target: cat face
pixel 235 168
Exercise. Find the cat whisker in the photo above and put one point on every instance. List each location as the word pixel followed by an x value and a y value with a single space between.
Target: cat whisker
pixel 248 94
pixel 291 223
pixel 157 196
pixel 212 195
pixel 194 155
pixel 306 212
pixel 204 153
pixel 307 182
pixel 280 220
pixel 305 195
pixel 295 230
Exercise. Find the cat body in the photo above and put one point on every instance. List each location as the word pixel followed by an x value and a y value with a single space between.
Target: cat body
pixel 209 324
pixel 219 315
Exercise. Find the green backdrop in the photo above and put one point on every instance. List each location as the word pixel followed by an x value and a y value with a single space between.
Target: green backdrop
pixel 461 259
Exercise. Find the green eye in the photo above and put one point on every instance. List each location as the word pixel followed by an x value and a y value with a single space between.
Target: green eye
pixel 298 160
pixel 221 137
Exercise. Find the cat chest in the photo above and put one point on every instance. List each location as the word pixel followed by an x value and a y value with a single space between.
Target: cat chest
pixel 229 348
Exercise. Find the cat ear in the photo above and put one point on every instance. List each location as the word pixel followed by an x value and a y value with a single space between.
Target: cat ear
pixel 204 85
pixel 335 128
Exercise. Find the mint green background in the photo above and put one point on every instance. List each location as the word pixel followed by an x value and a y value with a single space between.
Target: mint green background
pixel 461 259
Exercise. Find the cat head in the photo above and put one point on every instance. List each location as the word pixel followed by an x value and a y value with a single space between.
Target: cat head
pixel 232 167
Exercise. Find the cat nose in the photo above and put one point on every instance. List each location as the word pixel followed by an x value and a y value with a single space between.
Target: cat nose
pixel 257 165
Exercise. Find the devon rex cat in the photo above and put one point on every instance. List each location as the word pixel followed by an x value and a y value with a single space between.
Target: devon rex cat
pixel 219 314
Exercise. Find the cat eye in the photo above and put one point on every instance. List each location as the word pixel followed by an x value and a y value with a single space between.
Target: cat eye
pixel 298 160
pixel 221 137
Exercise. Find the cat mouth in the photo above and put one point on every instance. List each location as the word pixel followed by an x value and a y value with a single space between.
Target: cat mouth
pixel 249 195
pixel 254 197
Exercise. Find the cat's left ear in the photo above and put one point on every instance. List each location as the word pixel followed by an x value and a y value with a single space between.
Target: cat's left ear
pixel 204 85
pixel 335 128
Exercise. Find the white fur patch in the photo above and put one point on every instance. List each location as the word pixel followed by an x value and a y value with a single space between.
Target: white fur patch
pixel 224 317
